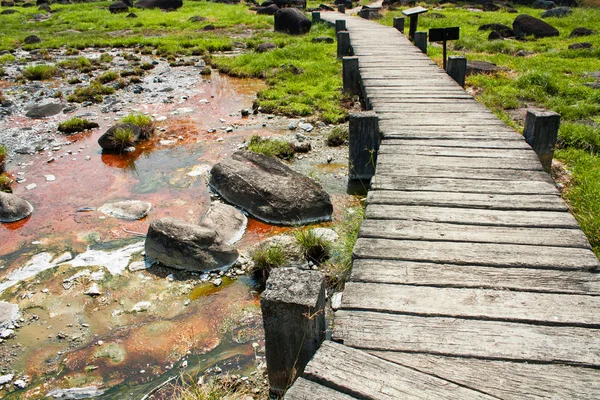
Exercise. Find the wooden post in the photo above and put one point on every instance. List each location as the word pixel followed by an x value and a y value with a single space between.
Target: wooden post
pixel 399 24
pixel 342 8
pixel 350 75
pixel 412 29
pixel 343 41
pixel 363 143
pixel 421 41
pixel 348 4
pixel 316 17
pixel 457 69
pixel 541 132
pixel 340 25
pixel 293 310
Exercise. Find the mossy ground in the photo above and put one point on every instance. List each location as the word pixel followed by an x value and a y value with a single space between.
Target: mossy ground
pixel 551 77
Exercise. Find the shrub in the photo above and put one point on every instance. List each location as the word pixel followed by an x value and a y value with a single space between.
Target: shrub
pixel 271 147
pixel 265 260
pixel 75 125
pixel 145 122
pixel 314 247
pixel 39 72
pixel 338 136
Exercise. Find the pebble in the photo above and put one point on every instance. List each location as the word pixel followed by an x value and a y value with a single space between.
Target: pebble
pixel 218 282
pixel 50 178
pixel 7 333
pixel 161 118
pixel 6 378
pixel 306 127
pixel 20 384
pixel 142 306
pixel 93 290
pixel 187 302
pixel 31 186
pixel 292 126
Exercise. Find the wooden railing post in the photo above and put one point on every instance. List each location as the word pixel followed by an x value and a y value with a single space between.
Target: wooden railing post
pixel 343 44
pixel 340 25
pixel 316 17
pixel 350 75
pixel 293 310
pixel 342 8
pixel 363 144
pixel 457 69
pixel 421 41
pixel 399 24
pixel 541 132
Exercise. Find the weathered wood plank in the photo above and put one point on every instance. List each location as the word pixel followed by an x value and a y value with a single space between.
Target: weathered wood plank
pixel 304 389
pixel 506 380
pixel 365 376
pixel 461 162
pixel 447 107
pixel 468 200
pixel 499 255
pixel 484 304
pixel 397 181
pixel 432 231
pixel 461 143
pixel 468 338
pixel 450 275
pixel 400 169
pixel 388 147
pixel 421 134
pixel 514 218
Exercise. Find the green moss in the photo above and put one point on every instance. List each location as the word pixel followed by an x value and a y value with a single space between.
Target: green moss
pixel 75 125
pixel 94 93
pixel 271 147
pixel 39 72
pixel 115 353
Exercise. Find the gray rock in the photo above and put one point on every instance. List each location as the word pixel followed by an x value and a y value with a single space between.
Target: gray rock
pixel 118 7
pixel 196 18
pixel 32 39
pixel 543 4
pixel 322 39
pixel 481 67
pixel 292 20
pixel 13 208
pixel 264 47
pixel 183 245
pixel 580 46
pixel 108 141
pixel 76 393
pixel 162 4
pixel 268 10
pixel 229 222
pixel 559 12
pixel 9 314
pixel 128 209
pixel 301 147
pixel 578 32
pixel 20 384
pixel 44 111
pixel 4 379
pixel 7 333
pixel 526 25
pixel 504 30
pixel 495 35
pixel 269 190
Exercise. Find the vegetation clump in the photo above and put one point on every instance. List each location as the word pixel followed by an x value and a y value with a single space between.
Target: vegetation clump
pixel 5 182
pixel 314 247
pixel 265 259
pixel 75 125
pixel 337 137
pixel 3 153
pixel 94 93
pixel 40 72
pixel 108 77
pixel 144 122
pixel 271 147
pixel 80 63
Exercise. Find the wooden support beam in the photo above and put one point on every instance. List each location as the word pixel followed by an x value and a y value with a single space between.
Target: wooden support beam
pixel 364 139
pixel 541 131
pixel 399 24
pixel 350 75
pixel 421 41
pixel 343 44
pixel 457 69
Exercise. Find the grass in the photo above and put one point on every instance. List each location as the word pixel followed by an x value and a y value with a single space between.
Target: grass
pixel 225 387
pixel 314 247
pixel 3 153
pixel 40 72
pixel 94 93
pixel 338 136
pixel 108 77
pixel 79 63
pixel 271 147
pixel 75 125
pixel 551 77
pixel 145 123
pixel 5 182
pixel 267 258
pixel 124 137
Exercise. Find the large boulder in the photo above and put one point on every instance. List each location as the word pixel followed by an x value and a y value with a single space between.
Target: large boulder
pixel 13 208
pixel 182 245
pixel 543 4
pixel 504 30
pixel 268 10
pixel 269 190
pixel 559 12
pixel 162 4
pixel 44 111
pixel 118 7
pixel 526 25
pixel 581 31
pixel 292 20
pixel 110 140
pixel 229 222
pixel 481 67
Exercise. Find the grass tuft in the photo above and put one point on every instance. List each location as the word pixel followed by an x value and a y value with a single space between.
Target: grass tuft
pixel 108 77
pixel 94 93
pixel 75 125
pixel 145 122
pixel 265 260
pixel 39 72
pixel 5 182
pixel 314 247
pixel 271 147
pixel 338 136
pixel 3 154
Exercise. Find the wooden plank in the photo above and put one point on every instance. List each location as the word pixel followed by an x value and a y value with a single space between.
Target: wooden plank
pixel 484 304
pixel 443 107
pixel 468 200
pixel 450 275
pixel 468 338
pixel 304 389
pixel 387 147
pixel 461 143
pixel 441 120
pixel 403 169
pixel 465 216
pixel 420 134
pixel 461 185
pixel 461 162
pixel 510 380
pixel 365 376
pixel 432 231
pixel 498 255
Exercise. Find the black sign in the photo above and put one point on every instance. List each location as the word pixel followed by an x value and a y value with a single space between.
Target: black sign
pixel 443 34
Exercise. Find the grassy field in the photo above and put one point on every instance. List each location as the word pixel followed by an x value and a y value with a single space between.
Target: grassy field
pixel 303 76
pixel 552 77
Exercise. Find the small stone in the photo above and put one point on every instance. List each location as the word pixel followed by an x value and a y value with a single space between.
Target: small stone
pixel 50 178
pixel 93 290
pixel 31 186
pixel 186 302
pixel 218 282
pixel 6 378
pixel 20 384
pixel 306 127
pixel 292 126
pixel 142 306
pixel 7 333
pixel 336 301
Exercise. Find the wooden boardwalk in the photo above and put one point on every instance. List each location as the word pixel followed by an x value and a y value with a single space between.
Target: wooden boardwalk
pixel 471 279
